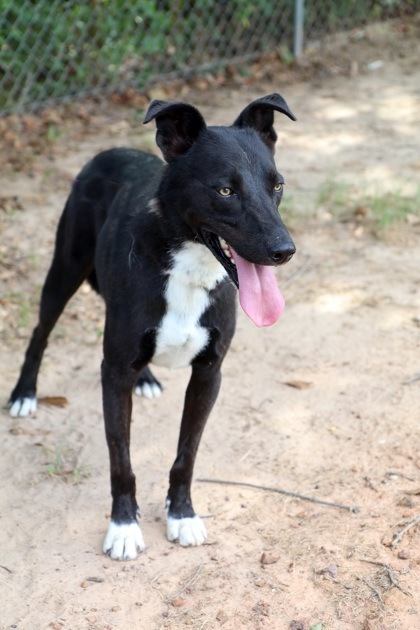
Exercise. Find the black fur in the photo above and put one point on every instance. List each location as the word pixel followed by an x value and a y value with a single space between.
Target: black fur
pixel 126 216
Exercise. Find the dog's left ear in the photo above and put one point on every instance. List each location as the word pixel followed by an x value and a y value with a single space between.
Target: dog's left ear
pixel 178 126
pixel 259 115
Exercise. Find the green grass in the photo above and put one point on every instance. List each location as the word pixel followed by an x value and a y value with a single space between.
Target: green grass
pixel 24 314
pixel 345 202
pixel 62 463
pixel 394 208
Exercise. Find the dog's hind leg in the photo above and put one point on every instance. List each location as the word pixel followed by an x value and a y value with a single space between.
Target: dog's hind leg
pixel 183 524
pixel 71 264
pixel 147 385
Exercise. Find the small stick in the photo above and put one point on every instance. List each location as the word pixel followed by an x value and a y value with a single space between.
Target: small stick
pixel 380 564
pixel 346 586
pixel 398 537
pixel 5 568
pixel 375 590
pixel 184 588
pixel 298 273
pixel 394 581
pixel 390 573
pixel 415 378
pixel 295 495
pixel 393 473
pixel 370 484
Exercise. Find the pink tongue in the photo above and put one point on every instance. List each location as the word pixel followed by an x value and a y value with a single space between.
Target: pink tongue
pixel 259 294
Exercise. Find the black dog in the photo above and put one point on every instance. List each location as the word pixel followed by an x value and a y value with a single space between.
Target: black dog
pixel 166 246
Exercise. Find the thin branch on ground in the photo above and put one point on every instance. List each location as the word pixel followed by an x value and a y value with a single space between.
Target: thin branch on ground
pixel 394 581
pixel 415 378
pixel 393 473
pixel 5 568
pixel 300 272
pixel 375 590
pixel 380 564
pixel 187 585
pixel 390 574
pixel 295 495
pixel 348 587
pixel 398 537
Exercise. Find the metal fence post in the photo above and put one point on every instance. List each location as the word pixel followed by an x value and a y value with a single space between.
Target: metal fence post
pixel 298 28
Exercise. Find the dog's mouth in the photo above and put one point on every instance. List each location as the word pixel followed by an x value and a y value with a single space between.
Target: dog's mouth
pixel 259 294
pixel 222 251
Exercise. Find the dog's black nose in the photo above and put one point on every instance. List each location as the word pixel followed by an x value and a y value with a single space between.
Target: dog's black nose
pixel 282 253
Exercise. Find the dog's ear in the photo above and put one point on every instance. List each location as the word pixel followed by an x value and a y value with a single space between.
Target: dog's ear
pixel 259 115
pixel 178 126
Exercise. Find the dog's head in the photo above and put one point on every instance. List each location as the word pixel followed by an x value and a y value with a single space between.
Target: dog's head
pixel 224 183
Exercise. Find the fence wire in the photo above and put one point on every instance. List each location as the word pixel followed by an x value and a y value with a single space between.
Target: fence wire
pixel 51 50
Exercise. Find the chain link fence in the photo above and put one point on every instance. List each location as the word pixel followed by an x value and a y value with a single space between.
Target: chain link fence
pixel 51 50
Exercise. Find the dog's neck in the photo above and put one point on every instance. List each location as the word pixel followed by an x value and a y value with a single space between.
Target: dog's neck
pixel 194 266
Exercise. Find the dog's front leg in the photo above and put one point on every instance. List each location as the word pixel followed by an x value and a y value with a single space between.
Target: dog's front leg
pixel 183 524
pixel 124 537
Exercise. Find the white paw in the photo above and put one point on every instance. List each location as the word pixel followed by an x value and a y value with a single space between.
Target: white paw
pixel 187 531
pixel 22 407
pixel 123 541
pixel 148 390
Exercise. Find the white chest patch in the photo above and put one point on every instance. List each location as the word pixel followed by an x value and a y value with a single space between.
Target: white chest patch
pixel 180 338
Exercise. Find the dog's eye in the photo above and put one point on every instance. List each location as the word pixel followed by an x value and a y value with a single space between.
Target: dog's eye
pixel 225 191
pixel 278 187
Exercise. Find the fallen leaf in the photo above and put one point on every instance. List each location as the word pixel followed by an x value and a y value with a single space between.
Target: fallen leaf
pixel 222 617
pixel 177 602
pixel 299 384
pixel 260 583
pixel 54 401
pixel 18 430
pixel 266 558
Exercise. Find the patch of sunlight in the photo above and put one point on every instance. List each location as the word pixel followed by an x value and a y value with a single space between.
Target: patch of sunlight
pixel 338 111
pixel 380 178
pixel 393 318
pixel 405 104
pixel 336 302
pixel 329 145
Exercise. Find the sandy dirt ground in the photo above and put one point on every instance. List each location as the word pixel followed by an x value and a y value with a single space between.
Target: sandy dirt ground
pixel 326 403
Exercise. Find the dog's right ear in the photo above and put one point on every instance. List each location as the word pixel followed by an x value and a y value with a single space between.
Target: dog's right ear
pixel 178 126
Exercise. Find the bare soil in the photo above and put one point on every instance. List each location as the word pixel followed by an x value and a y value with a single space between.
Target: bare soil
pixel 326 403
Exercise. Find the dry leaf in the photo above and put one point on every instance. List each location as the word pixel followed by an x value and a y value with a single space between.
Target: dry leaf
pixel 54 401
pixel 299 384
pixel 18 430
pixel 266 558
pixel 222 617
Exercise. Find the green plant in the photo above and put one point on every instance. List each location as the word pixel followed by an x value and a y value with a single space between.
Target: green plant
pixel 62 463
pixel 344 201
pixel 334 196
pixel 25 311
pixel 393 208
pixel 51 49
